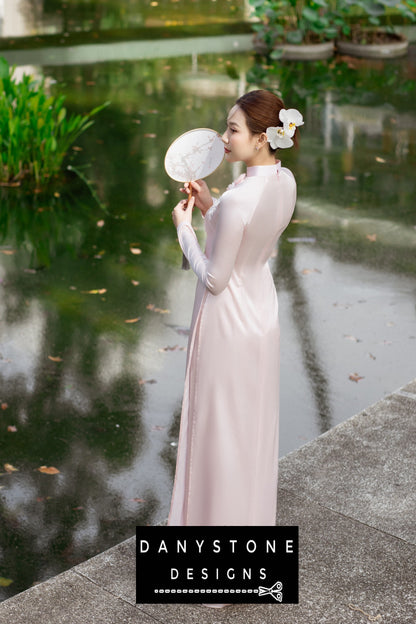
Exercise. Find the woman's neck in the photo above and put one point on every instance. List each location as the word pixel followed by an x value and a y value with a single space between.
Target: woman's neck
pixel 261 159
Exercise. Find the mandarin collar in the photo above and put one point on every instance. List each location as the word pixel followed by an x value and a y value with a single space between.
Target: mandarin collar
pixel 264 170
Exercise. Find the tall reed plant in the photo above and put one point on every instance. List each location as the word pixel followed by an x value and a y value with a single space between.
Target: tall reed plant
pixel 36 130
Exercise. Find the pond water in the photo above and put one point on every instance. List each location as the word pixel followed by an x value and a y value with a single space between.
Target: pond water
pixel 94 308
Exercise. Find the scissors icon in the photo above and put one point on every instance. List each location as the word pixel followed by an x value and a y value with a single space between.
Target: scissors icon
pixel 275 591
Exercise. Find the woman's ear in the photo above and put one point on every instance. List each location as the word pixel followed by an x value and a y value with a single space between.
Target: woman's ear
pixel 262 140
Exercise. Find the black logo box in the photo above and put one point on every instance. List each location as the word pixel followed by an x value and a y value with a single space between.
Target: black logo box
pixel 245 564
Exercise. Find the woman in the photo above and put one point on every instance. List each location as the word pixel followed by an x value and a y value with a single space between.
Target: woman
pixel 226 471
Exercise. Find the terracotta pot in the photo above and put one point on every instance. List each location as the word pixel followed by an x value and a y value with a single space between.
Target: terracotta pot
pixel 396 48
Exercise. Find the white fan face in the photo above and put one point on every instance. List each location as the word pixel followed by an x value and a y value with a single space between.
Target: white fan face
pixel 194 155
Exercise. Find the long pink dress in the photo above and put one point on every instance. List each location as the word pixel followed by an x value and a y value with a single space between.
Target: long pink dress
pixel 226 470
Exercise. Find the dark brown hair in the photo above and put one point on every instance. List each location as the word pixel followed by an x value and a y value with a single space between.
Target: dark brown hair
pixel 261 109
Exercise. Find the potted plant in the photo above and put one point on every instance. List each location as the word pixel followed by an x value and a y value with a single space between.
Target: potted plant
pixel 296 30
pixel 365 36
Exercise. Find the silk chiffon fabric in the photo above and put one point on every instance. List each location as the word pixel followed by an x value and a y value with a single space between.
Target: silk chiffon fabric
pixel 226 469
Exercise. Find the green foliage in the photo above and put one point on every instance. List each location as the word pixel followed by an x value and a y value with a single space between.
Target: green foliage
pixel 289 21
pixel 35 129
pixel 307 21
pixel 372 11
pixel 366 16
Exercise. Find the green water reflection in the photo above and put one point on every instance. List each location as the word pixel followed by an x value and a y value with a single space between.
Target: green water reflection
pixel 98 397
pixel 50 17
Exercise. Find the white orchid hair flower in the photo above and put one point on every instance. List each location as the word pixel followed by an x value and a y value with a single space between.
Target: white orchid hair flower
pixel 277 137
pixel 281 136
pixel 291 119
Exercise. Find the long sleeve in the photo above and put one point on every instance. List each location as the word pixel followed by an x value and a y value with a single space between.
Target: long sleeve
pixel 215 272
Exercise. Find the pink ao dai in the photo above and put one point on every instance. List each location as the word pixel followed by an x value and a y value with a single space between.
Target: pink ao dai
pixel 226 470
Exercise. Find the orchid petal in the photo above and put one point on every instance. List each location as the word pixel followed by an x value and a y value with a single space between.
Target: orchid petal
pixel 291 119
pixel 278 137
pixel 284 141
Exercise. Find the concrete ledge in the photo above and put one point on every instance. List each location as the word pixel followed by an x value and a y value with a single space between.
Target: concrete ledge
pixel 129 50
pixel 364 467
pixel 352 493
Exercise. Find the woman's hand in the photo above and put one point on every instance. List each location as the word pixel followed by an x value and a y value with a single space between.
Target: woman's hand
pixel 182 213
pixel 200 191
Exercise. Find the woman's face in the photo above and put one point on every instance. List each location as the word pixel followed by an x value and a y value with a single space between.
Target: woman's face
pixel 240 144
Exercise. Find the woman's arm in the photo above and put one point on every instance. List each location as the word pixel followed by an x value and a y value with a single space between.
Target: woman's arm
pixel 214 272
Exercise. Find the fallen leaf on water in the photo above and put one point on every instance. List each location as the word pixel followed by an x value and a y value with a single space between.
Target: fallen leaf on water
pixel 135 282
pixel 138 500
pixel 355 377
pixel 345 306
pixel 182 331
pixel 54 359
pixel 372 237
pixel 12 429
pixel 307 271
pixel 175 348
pixel 100 223
pixel 133 320
pixel 4 406
pixel 136 251
pixel 380 160
pixel 353 338
pixel 147 381
pixel 5 582
pixel 151 307
pixel 9 468
pixel 99 291
pixel 8 252
pixel 48 470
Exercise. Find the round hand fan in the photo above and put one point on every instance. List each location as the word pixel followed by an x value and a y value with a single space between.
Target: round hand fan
pixel 192 156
